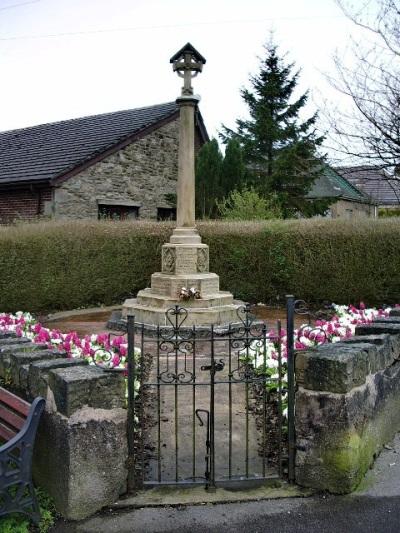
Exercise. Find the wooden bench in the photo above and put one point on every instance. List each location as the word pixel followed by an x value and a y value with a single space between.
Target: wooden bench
pixel 18 425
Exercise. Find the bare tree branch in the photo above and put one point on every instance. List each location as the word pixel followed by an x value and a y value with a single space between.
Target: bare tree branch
pixel 369 128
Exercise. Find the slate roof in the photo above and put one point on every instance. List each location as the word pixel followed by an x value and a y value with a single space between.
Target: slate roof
pixel 333 185
pixel 47 151
pixel 375 182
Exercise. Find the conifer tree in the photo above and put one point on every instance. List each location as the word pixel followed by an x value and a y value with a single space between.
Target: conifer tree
pixel 279 148
pixel 208 179
pixel 233 172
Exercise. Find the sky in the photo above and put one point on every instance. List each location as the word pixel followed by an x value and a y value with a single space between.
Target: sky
pixel 61 59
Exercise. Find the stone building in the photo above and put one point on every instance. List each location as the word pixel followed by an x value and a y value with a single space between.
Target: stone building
pixel 375 182
pixel 118 165
pixel 348 201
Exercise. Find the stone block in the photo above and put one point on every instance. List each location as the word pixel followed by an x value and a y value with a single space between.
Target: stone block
pixel 7 335
pixel 184 258
pixel 12 340
pixel 378 328
pixel 7 345
pixel 335 367
pixel 20 358
pixel 395 311
pixel 386 348
pixel 38 378
pixel 170 286
pixel 387 320
pixel 80 461
pixel 338 435
pixel 23 377
pixel 7 349
pixel 86 385
pixel 218 315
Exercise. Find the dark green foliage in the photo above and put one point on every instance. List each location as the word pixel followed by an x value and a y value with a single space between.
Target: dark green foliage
pixel 279 148
pixel 208 179
pixel 19 523
pixel 389 212
pixel 233 172
pixel 56 266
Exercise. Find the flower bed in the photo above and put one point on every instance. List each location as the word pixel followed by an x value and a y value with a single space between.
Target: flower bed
pixel 112 351
pixel 101 348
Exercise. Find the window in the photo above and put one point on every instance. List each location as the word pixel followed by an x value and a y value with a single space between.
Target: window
pixel 118 212
pixel 166 213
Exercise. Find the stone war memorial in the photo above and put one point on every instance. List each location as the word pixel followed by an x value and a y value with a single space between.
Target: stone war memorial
pixel 206 401
pixel 185 259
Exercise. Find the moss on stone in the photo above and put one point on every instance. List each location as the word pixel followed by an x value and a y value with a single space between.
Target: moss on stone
pixel 347 463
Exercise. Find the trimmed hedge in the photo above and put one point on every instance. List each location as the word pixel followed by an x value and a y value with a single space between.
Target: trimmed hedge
pixel 65 265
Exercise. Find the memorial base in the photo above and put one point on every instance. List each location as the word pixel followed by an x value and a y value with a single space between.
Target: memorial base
pixel 185 263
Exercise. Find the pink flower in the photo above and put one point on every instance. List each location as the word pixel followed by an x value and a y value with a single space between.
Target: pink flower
pixel 116 360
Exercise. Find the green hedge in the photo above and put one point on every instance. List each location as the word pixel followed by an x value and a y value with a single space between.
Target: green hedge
pixel 54 266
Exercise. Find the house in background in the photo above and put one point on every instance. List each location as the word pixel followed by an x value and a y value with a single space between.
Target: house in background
pixel 347 200
pixel 118 165
pixel 375 182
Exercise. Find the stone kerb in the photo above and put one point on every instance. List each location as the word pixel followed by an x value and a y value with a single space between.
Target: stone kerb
pixel 81 446
pixel 347 406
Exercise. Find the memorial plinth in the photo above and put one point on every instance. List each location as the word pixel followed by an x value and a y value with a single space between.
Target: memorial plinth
pixel 185 260
pixel 183 265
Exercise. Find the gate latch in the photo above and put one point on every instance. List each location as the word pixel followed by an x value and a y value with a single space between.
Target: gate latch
pixel 207 456
pixel 216 366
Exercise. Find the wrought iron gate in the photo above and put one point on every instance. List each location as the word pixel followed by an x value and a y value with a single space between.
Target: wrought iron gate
pixel 210 406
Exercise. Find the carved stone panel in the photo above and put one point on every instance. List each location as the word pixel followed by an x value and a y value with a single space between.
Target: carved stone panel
pixel 168 260
pixel 202 260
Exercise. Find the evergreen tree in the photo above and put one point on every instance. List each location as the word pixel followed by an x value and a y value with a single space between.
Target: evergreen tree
pixel 280 150
pixel 208 179
pixel 233 174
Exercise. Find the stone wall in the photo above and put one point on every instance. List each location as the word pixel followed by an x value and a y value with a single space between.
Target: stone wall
pixel 347 406
pixel 348 210
pixel 81 446
pixel 140 175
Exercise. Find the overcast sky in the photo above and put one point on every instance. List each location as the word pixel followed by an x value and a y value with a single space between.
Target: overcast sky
pixel 61 59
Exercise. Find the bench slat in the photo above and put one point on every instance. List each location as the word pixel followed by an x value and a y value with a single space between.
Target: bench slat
pixel 11 418
pixel 18 404
pixel 7 433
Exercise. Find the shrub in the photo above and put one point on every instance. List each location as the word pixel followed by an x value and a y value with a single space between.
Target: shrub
pixel 247 204
pixel 65 265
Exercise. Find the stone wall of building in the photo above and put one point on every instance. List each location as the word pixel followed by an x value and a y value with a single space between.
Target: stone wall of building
pixel 139 175
pixel 347 406
pixel 348 210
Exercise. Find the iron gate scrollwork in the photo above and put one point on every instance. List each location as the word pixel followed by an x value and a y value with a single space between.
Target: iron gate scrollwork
pixel 208 405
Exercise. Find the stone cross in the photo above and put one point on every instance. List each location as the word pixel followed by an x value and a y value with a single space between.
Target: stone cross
pixel 190 70
pixel 185 259
pixel 187 62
